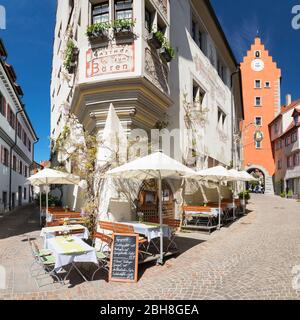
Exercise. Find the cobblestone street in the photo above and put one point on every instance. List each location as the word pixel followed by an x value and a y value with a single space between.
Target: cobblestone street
pixel 251 259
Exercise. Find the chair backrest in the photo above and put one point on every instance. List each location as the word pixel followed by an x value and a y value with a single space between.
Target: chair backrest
pixel 53 223
pixel 106 225
pixel 66 215
pixel 172 223
pixel 103 237
pixel 123 228
pixel 199 209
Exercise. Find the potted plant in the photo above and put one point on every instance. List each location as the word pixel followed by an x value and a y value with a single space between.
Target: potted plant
pixel 98 31
pixel 157 39
pixel 244 197
pixel 123 26
pixel 167 52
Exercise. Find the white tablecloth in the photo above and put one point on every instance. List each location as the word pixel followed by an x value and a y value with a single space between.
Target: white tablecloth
pixel 49 232
pixel 150 231
pixel 64 257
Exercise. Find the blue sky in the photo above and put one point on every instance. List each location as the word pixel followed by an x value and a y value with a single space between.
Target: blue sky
pixel 29 37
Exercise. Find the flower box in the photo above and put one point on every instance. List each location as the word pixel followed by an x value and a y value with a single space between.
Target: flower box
pixel 166 54
pixel 154 41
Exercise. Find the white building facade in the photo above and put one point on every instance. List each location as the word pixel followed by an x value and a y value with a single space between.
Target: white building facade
pixel 17 138
pixel 169 68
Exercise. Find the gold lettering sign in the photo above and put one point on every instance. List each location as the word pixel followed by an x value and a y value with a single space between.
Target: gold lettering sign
pixel 112 59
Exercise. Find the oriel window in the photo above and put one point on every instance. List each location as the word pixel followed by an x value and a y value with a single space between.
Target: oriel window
pixel 123 10
pixel 100 12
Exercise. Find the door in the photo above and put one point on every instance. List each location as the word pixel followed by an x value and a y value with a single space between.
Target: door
pixel 20 196
pixel 148 200
pixel 13 200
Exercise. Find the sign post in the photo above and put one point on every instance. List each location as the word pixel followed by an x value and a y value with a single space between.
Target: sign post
pixel 124 258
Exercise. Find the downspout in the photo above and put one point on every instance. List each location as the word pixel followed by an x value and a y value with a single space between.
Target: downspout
pixel 10 156
pixel 33 147
pixel 232 115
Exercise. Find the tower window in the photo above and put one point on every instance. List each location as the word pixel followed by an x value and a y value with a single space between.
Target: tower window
pixel 257 84
pixel 258 101
pixel 267 84
pixel 257 54
pixel 258 121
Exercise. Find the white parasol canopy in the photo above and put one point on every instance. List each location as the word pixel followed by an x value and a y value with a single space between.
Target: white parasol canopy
pixel 217 174
pixel 154 166
pixel 49 176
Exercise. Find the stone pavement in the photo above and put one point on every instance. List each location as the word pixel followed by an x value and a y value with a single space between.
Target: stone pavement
pixel 251 259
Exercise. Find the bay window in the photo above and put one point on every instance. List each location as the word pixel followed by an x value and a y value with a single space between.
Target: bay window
pixel 100 12
pixel 123 9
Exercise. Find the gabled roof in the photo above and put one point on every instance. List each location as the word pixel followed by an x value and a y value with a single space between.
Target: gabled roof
pixel 285 109
pixel 3 51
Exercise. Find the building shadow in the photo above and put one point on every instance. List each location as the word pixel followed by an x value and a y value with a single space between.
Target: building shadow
pixel 21 221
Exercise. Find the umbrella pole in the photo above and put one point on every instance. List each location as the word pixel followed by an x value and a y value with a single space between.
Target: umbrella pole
pixel 40 206
pixel 219 228
pixel 233 202
pixel 47 205
pixel 244 203
pixel 161 258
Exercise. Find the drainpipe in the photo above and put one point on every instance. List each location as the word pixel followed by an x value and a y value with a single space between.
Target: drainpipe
pixel 33 147
pixel 10 156
pixel 232 116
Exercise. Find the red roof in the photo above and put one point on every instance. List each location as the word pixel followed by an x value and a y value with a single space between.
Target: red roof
pixel 285 109
pixel 290 106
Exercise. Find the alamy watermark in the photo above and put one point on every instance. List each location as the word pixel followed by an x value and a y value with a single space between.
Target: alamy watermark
pixel 296 18
pixel 2 278
pixel 2 18
pixel 296 278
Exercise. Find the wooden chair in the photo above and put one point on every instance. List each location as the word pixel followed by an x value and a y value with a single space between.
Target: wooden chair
pixel 53 223
pixel 46 261
pixel 174 225
pixel 102 257
pixel 106 225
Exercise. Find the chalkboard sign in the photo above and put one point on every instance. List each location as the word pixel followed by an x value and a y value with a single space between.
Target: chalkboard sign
pixel 124 258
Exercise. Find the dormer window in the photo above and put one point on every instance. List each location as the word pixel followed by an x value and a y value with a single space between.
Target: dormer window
pixel 296 119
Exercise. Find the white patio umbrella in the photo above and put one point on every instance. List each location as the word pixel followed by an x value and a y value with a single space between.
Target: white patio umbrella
pixel 154 166
pixel 238 177
pixel 217 174
pixel 48 176
pixel 245 177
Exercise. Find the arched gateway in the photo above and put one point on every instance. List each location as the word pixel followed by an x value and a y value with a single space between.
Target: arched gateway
pixel 265 180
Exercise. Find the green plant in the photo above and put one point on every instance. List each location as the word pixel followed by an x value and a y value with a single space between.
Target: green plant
pixel 164 43
pixel 69 54
pixel 52 201
pixel 126 24
pixel 283 194
pixel 245 195
pixel 290 194
pixel 160 37
pixel 97 29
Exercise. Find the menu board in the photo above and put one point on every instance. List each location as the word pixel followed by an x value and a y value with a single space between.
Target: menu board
pixel 124 258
